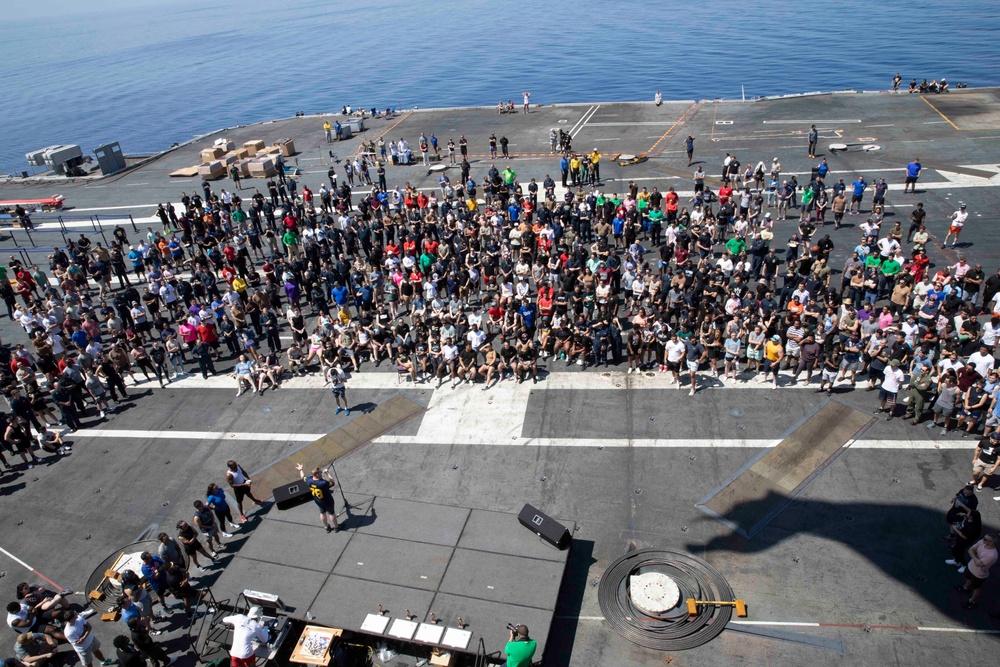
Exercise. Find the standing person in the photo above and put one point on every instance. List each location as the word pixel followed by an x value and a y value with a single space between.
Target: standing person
pixel 964 534
pixel 215 497
pixel 892 380
pixel 128 655
pixel 520 648
pixel 321 490
pixel 81 637
pixel 986 460
pixel 188 537
pixel 204 521
pixel 958 219
pixel 773 354
pixel 246 630
pixel 912 174
pixel 526 96
pixel 141 637
pixel 813 140
pixel 339 380
pixel 982 556
pixel 170 550
pixel 689 147
pixel 241 485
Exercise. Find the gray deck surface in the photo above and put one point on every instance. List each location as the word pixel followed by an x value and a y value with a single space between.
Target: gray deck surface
pixel 860 545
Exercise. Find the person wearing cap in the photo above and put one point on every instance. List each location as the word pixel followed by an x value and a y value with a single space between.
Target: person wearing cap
pixel 916 392
pixel 958 219
pixel 892 379
pixel 520 648
pixel 986 460
pixel 247 629
pixel 773 354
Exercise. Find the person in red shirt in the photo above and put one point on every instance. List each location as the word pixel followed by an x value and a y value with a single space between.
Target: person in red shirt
pixel 392 249
pixel 671 200
pixel 207 334
pixel 410 247
pixel 422 204
pixel 725 193
pixel 307 194
pixel 229 253
pixel 431 246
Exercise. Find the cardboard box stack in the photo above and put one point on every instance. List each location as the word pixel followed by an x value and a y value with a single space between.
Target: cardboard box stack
pixel 255 145
pixel 287 147
pixel 213 153
pixel 212 169
pixel 262 167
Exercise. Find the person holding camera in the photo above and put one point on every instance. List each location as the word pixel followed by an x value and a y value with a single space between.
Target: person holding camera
pixel 521 648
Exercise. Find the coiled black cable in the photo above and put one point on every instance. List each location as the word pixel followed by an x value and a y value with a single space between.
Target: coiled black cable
pixel 673 630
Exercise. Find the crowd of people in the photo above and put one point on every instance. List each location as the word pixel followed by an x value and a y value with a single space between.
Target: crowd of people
pixel 480 282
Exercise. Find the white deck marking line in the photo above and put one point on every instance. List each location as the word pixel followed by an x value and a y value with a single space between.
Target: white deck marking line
pixel 813 624
pixel 29 568
pixel 194 435
pixel 824 122
pixel 886 125
pixel 582 118
pixel 583 123
pixel 104 208
pixel 493 428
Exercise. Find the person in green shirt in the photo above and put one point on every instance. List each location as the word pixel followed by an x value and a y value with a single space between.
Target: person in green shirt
pixel 873 260
pixel 520 649
pixel 291 241
pixel 736 246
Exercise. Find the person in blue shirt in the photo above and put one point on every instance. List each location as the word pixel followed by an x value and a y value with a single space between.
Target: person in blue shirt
pixel 823 169
pixel 564 167
pixel 154 569
pixel 514 211
pixel 618 229
pixel 527 313
pixel 858 187
pixel 339 294
pixel 912 173
pixel 135 256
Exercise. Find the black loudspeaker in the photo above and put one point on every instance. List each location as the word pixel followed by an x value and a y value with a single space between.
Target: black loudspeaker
pixel 545 527
pixel 291 495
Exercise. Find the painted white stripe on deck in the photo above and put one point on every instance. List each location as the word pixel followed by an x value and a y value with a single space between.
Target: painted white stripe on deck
pixel 107 208
pixel 194 435
pixel 824 122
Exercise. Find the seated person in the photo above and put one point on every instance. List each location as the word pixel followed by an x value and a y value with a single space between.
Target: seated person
pixel 245 372
pixel 943 86
pixel 34 649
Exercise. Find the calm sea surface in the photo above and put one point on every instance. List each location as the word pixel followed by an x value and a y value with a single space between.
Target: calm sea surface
pixel 148 78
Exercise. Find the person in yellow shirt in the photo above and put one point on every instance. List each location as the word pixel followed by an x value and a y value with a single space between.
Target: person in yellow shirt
pixel 240 287
pixel 773 354
pixel 595 158
pixel 574 170
pixel 327 129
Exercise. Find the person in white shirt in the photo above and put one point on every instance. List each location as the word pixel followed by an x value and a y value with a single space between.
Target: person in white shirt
pixel 476 337
pixel 982 360
pixel 675 354
pixel 891 381
pixel 246 630
pixel 958 219
pixel 81 637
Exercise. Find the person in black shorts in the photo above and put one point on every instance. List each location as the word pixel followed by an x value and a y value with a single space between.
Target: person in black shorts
pixel 241 485
pixel 188 537
pixel 322 495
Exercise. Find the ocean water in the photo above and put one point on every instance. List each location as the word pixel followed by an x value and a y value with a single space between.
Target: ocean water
pixel 148 77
